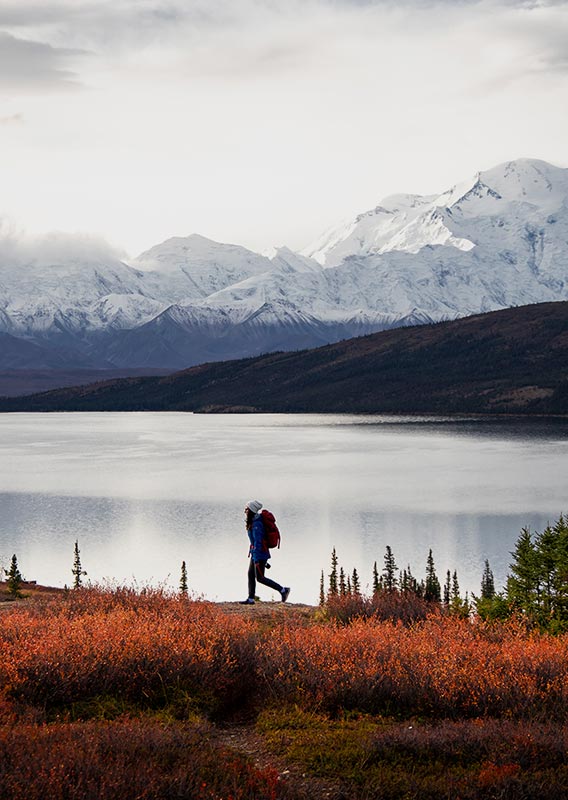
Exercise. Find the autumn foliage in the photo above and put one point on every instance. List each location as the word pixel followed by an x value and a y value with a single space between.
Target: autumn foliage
pixel 443 667
pixel 125 644
pixel 70 663
pixel 148 648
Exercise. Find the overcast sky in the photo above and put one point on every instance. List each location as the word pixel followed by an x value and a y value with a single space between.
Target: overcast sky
pixel 264 122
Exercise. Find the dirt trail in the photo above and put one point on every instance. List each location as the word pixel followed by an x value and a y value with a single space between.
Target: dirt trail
pixel 246 740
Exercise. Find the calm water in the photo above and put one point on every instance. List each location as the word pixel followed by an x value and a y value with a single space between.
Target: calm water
pixel 142 492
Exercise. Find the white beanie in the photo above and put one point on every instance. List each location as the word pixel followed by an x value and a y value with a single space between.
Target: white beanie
pixel 254 506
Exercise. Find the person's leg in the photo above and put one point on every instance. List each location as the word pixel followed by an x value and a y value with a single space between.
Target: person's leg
pixel 251 580
pixel 261 578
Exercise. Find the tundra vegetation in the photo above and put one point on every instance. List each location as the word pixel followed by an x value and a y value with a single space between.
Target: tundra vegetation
pixel 129 693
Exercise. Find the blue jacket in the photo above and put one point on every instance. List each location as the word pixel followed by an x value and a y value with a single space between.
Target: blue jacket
pixel 258 549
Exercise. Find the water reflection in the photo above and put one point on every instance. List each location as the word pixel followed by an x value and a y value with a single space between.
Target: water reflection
pixel 141 492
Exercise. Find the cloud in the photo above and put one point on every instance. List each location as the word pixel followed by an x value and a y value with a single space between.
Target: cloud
pixel 30 14
pixel 12 119
pixel 253 118
pixel 127 26
pixel 548 37
pixel 31 66
pixel 18 248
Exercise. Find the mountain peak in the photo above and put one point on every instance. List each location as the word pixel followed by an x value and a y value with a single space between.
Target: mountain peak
pixel 409 222
pixel 529 180
pixel 397 202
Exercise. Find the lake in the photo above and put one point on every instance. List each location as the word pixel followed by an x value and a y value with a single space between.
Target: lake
pixel 143 491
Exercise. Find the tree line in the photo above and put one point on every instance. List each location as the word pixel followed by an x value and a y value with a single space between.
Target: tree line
pixel 14 579
pixel 536 588
pixel 392 580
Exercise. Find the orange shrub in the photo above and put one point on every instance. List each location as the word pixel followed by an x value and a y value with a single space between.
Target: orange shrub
pixel 150 648
pixel 123 644
pixel 442 667
pixel 405 607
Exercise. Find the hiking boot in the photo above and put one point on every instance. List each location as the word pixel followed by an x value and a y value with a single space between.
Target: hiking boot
pixel 285 592
pixel 248 602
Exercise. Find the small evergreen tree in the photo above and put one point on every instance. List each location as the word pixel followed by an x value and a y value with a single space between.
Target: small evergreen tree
pixel 14 576
pixel 458 607
pixel 376 583
pixel 322 590
pixel 389 571
pixel 333 585
pixel 356 585
pixel 447 590
pixel 432 589
pixel 455 587
pixel 342 584
pixel 183 588
pixel 349 589
pixel 77 570
pixel 487 582
pixel 409 582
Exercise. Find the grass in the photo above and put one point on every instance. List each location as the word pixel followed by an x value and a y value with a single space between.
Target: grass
pixel 382 758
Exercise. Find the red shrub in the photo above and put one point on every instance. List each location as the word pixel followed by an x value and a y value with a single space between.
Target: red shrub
pixel 442 667
pixel 130 760
pixel 149 648
pixel 405 607
pixel 123 644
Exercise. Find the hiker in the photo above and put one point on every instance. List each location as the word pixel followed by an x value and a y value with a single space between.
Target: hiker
pixel 259 554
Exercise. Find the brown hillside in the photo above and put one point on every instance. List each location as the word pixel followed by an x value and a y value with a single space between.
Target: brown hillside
pixel 510 361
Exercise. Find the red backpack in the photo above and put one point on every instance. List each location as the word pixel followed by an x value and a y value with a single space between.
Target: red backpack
pixel 271 532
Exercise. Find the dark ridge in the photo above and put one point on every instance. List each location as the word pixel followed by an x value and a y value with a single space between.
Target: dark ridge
pixel 22 380
pixel 513 361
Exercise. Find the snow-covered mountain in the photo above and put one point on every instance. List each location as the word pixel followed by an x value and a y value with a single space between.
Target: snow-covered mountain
pixel 521 192
pixel 499 239
pixel 199 266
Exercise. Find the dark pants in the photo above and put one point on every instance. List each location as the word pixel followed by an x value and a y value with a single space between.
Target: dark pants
pixel 256 573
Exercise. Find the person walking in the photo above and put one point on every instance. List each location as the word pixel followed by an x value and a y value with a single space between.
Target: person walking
pixel 258 554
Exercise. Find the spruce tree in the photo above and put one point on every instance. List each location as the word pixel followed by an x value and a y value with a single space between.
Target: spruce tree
pixel 561 574
pixel 333 586
pixel 447 590
pixel 545 546
pixel 322 590
pixel 523 584
pixel 342 584
pixel 356 586
pixel 455 587
pixel 376 583
pixel 183 588
pixel 432 589
pixel 349 589
pixel 411 584
pixel 458 607
pixel 456 602
pixel 14 576
pixel 389 571
pixel 77 570
pixel 487 582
